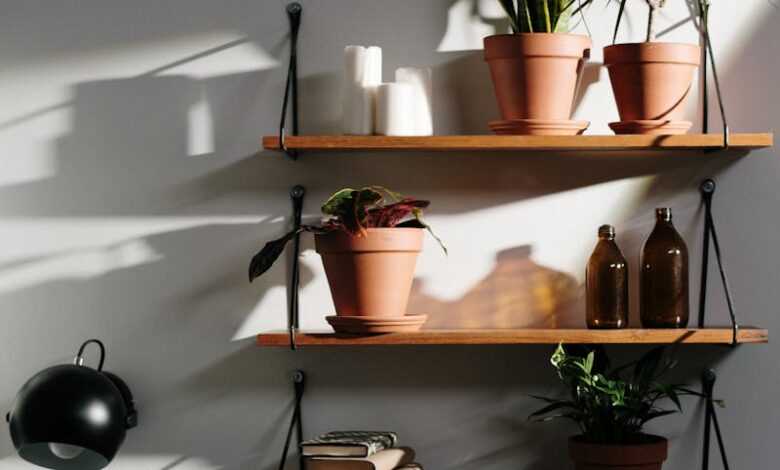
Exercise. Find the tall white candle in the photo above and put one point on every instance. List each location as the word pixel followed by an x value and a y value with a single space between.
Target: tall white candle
pixel 357 116
pixel 421 81
pixel 354 63
pixel 394 112
pixel 372 74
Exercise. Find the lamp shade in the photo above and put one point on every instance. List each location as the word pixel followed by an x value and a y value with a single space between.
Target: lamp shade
pixel 71 417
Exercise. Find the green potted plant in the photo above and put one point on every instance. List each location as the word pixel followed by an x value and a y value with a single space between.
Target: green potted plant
pixel 651 80
pixel 369 241
pixel 536 69
pixel 610 407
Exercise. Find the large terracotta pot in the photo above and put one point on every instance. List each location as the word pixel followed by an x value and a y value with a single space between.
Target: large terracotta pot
pixel 370 275
pixel 649 454
pixel 651 82
pixel 535 75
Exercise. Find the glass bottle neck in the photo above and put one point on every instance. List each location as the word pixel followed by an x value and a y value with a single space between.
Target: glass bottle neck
pixel 663 215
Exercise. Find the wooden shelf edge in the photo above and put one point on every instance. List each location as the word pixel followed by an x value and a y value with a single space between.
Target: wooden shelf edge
pixel 521 336
pixel 745 141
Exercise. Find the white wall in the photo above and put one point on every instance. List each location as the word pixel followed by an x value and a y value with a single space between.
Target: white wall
pixel 132 195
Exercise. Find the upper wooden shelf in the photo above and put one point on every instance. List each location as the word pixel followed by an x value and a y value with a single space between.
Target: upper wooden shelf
pixel 519 143
pixel 521 336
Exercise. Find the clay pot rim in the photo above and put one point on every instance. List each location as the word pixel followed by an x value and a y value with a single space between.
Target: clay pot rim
pixel 369 230
pixel 638 47
pixel 385 239
pixel 575 35
pixel 566 45
pixel 652 439
pixel 654 451
pixel 653 43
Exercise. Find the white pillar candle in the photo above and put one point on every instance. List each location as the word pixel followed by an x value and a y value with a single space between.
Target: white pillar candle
pixel 372 77
pixel 394 112
pixel 362 74
pixel 356 114
pixel 372 73
pixel 421 81
pixel 354 64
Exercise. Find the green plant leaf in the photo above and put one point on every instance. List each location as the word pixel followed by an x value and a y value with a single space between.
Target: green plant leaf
pixel 646 367
pixel 418 217
pixel 511 13
pixel 655 414
pixel 524 9
pixel 265 258
pixel 551 407
pixel 589 362
pixel 621 8
pixel 337 201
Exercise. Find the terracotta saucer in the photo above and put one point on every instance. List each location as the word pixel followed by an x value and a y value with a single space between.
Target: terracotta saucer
pixel 651 126
pixel 372 325
pixel 538 127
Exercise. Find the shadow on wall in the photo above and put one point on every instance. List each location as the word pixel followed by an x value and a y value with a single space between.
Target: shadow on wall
pixel 518 293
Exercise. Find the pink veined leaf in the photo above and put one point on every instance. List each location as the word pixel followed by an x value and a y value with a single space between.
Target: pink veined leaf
pixel 392 214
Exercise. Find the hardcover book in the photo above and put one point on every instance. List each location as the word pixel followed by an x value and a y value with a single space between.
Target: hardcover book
pixel 388 459
pixel 349 443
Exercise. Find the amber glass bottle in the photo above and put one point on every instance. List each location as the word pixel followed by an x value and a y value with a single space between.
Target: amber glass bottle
pixel 606 283
pixel 663 289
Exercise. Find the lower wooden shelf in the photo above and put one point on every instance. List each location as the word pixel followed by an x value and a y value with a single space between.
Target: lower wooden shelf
pixel 521 336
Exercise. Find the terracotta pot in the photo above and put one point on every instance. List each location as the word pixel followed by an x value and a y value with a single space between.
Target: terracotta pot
pixel 646 455
pixel 370 275
pixel 651 80
pixel 535 75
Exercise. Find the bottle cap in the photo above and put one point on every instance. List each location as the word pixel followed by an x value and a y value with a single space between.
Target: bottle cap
pixel 607 231
pixel 663 213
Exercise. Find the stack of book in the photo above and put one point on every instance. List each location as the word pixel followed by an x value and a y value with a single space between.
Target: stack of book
pixel 357 450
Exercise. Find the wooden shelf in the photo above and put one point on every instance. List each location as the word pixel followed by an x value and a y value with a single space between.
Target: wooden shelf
pixel 693 142
pixel 521 336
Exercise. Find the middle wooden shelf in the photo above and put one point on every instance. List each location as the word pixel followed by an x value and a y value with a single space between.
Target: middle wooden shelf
pixel 721 335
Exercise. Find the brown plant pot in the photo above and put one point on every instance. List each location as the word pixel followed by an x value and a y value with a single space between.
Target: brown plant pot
pixel 535 75
pixel 648 454
pixel 370 275
pixel 651 81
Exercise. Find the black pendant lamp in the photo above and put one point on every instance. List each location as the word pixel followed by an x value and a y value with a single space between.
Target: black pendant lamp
pixel 72 416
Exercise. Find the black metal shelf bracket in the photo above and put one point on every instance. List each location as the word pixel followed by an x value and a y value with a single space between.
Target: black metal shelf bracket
pixel 297 194
pixel 704 12
pixel 711 420
pixel 296 424
pixel 707 189
pixel 294 11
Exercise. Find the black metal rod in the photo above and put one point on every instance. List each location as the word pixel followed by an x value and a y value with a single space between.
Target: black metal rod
pixel 708 383
pixel 704 6
pixel 295 422
pixel 711 417
pixel 299 380
pixel 297 194
pixel 707 188
pixel 724 280
pixel 294 11
pixel 703 24
pixel 718 435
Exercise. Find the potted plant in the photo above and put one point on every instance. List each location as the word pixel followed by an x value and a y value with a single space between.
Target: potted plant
pixel 610 407
pixel 536 69
pixel 369 241
pixel 651 80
